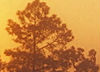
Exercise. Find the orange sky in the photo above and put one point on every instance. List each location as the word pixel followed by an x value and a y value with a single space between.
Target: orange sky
pixel 82 16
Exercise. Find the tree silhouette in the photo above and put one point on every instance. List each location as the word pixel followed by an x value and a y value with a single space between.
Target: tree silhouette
pixel 2 64
pixel 43 40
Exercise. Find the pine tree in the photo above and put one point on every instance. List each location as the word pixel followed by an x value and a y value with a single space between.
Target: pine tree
pixel 43 40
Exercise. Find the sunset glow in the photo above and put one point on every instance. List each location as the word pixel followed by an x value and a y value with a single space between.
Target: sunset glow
pixel 81 16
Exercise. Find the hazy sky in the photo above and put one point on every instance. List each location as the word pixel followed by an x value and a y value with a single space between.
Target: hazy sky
pixel 82 16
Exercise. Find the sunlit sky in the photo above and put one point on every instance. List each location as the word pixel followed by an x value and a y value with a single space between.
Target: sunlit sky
pixel 81 16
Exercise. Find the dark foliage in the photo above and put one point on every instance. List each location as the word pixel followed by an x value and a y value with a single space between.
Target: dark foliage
pixel 43 43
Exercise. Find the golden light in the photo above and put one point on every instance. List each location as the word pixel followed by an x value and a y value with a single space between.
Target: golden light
pixel 83 17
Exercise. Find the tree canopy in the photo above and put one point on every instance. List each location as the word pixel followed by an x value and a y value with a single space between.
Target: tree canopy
pixel 43 40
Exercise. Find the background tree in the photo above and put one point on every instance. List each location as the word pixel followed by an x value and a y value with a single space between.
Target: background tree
pixel 2 64
pixel 43 40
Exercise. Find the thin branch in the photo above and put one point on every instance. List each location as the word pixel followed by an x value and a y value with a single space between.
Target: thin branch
pixel 48 44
